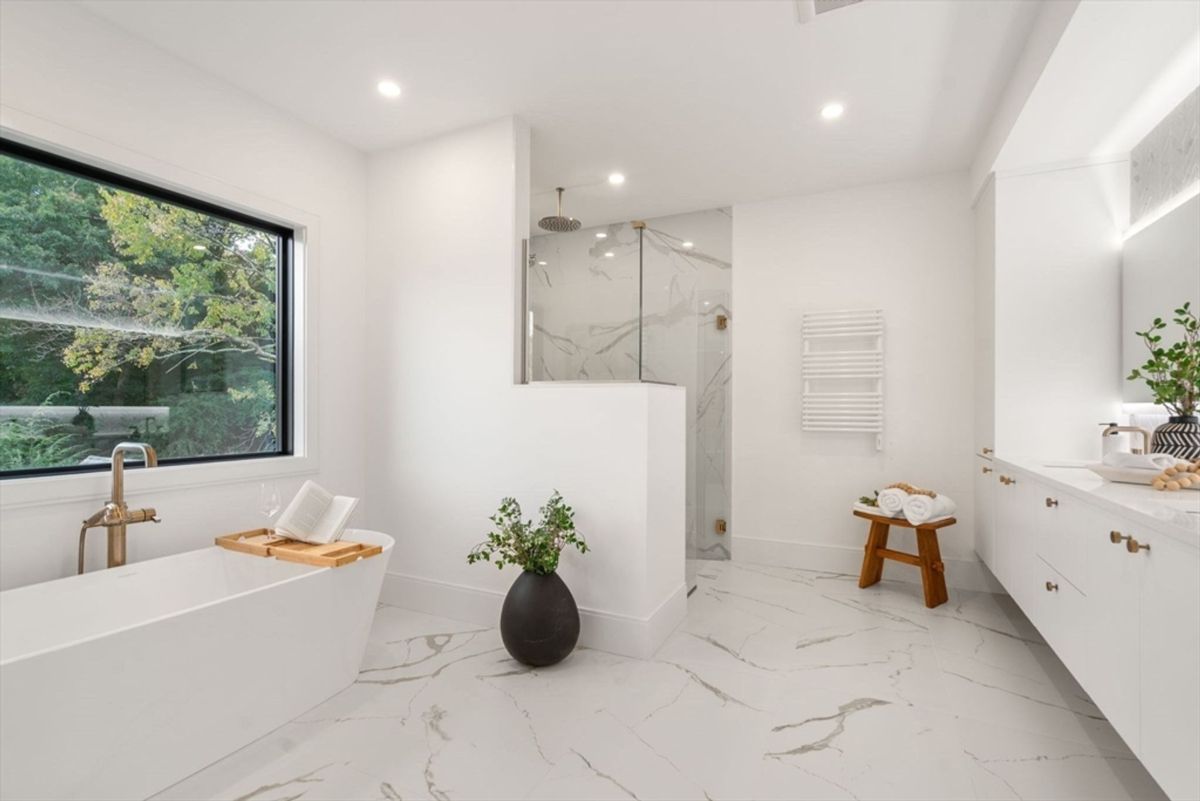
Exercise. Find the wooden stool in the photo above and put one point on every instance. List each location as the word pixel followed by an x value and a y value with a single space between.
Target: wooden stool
pixel 928 558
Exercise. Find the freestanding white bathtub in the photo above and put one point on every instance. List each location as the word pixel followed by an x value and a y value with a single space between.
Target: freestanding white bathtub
pixel 121 682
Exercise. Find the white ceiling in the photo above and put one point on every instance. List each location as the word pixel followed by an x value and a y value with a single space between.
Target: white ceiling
pixel 1119 68
pixel 700 104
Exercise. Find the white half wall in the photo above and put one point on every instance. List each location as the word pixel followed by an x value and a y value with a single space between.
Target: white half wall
pixel 451 434
pixel 906 248
pixel 73 82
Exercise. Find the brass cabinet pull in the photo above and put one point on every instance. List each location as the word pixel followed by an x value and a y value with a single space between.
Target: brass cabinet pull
pixel 1051 503
pixel 988 451
pixel 1051 586
pixel 1006 480
pixel 1133 546
pixel 1116 537
pixel 985 470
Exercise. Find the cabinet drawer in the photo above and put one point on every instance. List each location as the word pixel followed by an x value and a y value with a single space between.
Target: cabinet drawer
pixel 1059 609
pixel 1063 523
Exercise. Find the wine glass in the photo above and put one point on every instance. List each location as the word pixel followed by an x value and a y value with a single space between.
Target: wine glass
pixel 268 501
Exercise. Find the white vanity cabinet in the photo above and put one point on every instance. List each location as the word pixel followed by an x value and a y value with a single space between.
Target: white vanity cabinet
pixel 985 499
pixel 1035 561
pixel 1170 664
pixel 1017 565
pixel 1118 599
pixel 1112 626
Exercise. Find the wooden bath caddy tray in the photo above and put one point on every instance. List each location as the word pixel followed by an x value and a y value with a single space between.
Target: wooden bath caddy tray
pixel 265 542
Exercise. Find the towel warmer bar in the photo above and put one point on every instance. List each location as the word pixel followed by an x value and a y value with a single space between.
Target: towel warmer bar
pixel 842 372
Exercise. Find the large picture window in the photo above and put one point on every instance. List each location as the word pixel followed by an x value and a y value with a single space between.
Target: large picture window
pixel 132 312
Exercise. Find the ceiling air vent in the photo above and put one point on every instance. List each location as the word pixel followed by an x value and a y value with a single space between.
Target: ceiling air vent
pixel 807 10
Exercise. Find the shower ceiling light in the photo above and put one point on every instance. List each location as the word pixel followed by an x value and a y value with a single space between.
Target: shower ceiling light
pixel 616 179
pixel 831 111
pixel 389 89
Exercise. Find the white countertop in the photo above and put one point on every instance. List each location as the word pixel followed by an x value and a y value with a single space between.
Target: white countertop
pixel 1174 514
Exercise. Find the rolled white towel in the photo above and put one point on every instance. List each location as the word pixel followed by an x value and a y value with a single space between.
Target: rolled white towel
pixel 891 502
pixel 920 509
pixel 1145 461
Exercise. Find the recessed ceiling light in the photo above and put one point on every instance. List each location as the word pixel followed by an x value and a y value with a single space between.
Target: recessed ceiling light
pixel 609 255
pixel 831 111
pixel 541 264
pixel 616 179
pixel 389 89
pixel 601 235
pixel 688 245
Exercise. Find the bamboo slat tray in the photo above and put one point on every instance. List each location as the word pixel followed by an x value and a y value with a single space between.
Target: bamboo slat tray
pixel 265 542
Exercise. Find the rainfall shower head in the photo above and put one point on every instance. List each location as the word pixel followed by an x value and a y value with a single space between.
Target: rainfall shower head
pixel 558 223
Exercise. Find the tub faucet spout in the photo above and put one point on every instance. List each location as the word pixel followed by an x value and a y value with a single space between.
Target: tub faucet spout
pixel 116 516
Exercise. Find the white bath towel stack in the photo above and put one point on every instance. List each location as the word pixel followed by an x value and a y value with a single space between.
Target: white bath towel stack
pixel 920 509
pixel 891 502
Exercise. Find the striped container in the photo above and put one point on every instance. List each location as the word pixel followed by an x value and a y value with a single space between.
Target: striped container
pixel 1179 436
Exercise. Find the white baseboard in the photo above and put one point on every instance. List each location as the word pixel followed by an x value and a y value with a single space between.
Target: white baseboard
pixel 962 574
pixel 605 631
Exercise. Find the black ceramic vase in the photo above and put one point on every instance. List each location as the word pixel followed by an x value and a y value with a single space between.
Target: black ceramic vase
pixel 1179 437
pixel 540 621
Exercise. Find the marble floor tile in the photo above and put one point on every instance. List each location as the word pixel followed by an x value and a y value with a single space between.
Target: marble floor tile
pixel 780 684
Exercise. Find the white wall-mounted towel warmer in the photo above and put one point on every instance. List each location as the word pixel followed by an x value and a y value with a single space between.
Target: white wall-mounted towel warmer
pixel 842 372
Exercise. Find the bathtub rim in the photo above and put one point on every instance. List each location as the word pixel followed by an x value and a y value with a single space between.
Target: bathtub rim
pixel 367 536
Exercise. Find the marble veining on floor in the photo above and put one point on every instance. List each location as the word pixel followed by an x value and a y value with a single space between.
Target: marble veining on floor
pixel 780 684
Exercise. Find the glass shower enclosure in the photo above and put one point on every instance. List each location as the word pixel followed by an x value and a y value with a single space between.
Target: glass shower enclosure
pixel 646 301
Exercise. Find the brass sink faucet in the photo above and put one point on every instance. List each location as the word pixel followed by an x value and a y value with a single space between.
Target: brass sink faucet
pixel 1112 429
pixel 116 516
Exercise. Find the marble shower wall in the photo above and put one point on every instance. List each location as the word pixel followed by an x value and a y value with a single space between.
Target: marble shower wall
pixel 583 326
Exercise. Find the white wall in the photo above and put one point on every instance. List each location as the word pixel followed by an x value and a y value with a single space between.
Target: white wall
pixel 985 320
pixel 74 82
pixel 906 248
pixel 1058 257
pixel 450 432
pixel 1051 22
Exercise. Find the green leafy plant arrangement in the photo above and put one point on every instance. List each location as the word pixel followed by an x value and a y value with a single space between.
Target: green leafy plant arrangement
pixel 519 542
pixel 1173 373
pixel 869 500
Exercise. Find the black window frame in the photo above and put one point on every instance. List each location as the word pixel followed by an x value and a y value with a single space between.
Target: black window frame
pixel 284 298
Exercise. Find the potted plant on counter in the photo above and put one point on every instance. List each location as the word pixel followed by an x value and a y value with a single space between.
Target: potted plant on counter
pixel 1173 375
pixel 539 622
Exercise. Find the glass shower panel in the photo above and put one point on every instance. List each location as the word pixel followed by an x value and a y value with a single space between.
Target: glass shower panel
pixel 686 337
pixel 603 305
pixel 582 316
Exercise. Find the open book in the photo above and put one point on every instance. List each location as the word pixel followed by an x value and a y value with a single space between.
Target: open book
pixel 315 515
